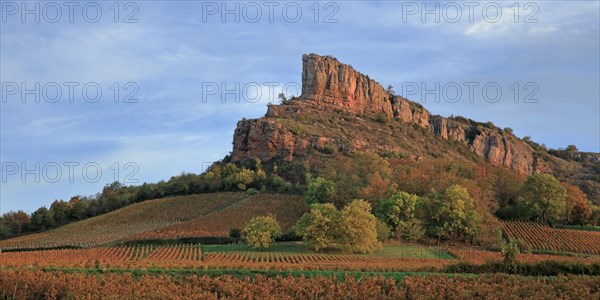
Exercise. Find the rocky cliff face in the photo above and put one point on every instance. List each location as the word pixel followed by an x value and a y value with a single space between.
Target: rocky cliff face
pixel 330 86
pixel 262 139
pixel 329 83
pixel 503 150
pixel 410 112
pixel 582 157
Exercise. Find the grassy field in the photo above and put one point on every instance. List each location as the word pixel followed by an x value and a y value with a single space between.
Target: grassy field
pixel 391 251
pixel 412 251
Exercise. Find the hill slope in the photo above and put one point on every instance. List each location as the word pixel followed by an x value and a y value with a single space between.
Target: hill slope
pixel 157 214
pixel 286 208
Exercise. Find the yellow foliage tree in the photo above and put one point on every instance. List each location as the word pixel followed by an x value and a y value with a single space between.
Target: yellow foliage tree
pixel 261 231
pixel 578 209
pixel 319 227
pixel 358 228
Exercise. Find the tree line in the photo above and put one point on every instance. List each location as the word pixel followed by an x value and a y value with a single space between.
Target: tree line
pixel 222 176
pixel 448 214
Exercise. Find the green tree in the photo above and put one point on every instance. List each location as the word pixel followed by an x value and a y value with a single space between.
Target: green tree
pixel 235 234
pixel 398 209
pixel 383 230
pixel 544 197
pixel 79 208
pixel 42 219
pixel 358 231
pixel 61 211
pixel 261 231
pixel 319 190
pixel 510 251
pixel 390 89
pixel 5 231
pixel 319 227
pixel 595 217
pixel 282 98
pixel 453 213
pixel 412 230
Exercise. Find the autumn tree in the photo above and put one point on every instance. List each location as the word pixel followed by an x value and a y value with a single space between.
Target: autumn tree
pixel 366 176
pixel 544 197
pixel 319 190
pixel 319 227
pixel 243 178
pixel 358 231
pixel 375 175
pixel 14 223
pixel 577 209
pixel 507 188
pixel 261 231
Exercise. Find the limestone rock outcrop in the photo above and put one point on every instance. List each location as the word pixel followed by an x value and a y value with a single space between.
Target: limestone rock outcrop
pixel 501 150
pixel 410 112
pixel 329 86
pixel 328 82
pixel 262 139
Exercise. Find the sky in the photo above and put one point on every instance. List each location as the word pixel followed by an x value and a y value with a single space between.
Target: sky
pixel 140 91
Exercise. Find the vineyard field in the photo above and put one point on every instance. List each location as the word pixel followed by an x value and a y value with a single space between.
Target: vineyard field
pixel 542 237
pixel 284 257
pixel 27 284
pixel 286 208
pixel 116 245
pixel 128 221
pixel 199 256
